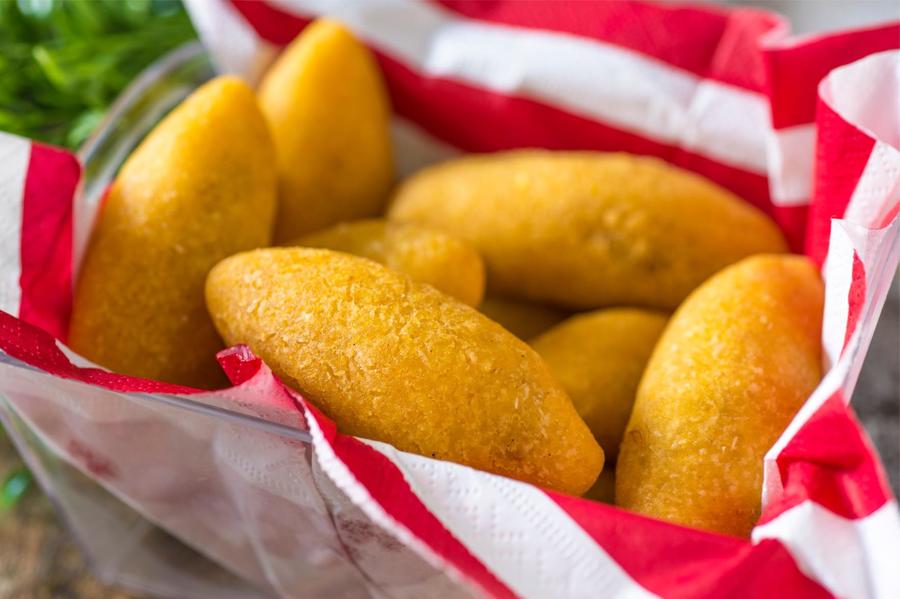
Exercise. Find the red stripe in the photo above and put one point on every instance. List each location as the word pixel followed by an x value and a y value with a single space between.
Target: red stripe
pixel 794 71
pixel 705 41
pixel 273 25
pixel 46 277
pixel 792 220
pixel 239 363
pixel 46 245
pixel 46 274
pixel 38 348
pixel 856 297
pixel 842 152
pixel 675 561
pixel 387 486
pixel 832 462
pixel 477 120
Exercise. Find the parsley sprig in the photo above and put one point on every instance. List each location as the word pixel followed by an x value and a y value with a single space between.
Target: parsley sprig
pixel 62 62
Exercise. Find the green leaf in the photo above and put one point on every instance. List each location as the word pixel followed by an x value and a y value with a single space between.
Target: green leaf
pixel 15 486
pixel 62 62
pixel 83 126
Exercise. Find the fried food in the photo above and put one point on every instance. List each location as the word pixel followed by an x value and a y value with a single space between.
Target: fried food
pixel 586 230
pixel 599 358
pixel 199 188
pixel 604 490
pixel 398 361
pixel 426 255
pixel 522 319
pixel 734 365
pixel 329 115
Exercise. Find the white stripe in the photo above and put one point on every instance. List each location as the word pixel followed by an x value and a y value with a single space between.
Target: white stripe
pixel 516 530
pixel 344 480
pixel 879 251
pixel 233 44
pixel 586 77
pixel 852 558
pixel 837 271
pixel 866 93
pixel 729 124
pixel 15 153
pixel 878 189
pixel 791 153
pixel 415 148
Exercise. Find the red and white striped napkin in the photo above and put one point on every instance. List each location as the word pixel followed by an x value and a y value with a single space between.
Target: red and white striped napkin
pixel 807 129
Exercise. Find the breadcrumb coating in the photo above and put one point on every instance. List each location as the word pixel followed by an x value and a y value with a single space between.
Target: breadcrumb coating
pixel 398 361
pixel 734 365
pixel 587 230
pixel 428 256
pixel 599 358
pixel 199 188
pixel 329 113
pixel 521 318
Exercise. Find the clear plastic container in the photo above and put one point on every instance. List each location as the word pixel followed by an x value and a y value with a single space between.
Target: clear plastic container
pixel 196 455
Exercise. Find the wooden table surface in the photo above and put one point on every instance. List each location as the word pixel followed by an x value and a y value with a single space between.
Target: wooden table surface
pixel 38 558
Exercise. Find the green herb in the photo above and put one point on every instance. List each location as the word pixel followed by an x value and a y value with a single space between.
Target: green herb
pixel 14 488
pixel 62 62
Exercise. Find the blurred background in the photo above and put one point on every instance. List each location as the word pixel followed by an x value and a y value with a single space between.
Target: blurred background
pixel 62 62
